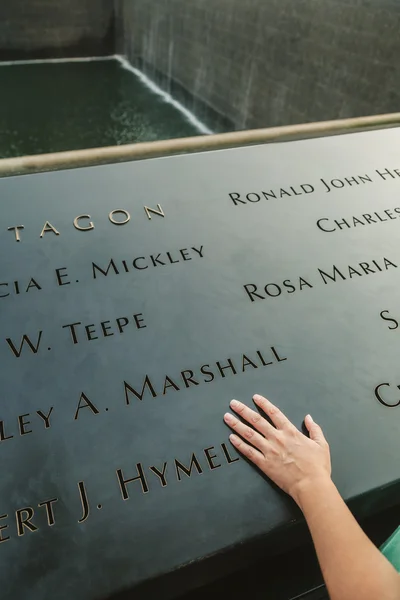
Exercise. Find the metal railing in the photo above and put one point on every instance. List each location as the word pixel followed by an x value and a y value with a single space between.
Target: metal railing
pixel 112 154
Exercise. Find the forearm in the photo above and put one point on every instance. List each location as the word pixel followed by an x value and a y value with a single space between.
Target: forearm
pixel 353 568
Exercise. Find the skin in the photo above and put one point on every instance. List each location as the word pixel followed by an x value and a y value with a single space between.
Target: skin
pixel 353 568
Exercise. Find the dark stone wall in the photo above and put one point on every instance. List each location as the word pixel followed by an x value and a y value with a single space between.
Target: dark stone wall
pixel 270 62
pixel 55 28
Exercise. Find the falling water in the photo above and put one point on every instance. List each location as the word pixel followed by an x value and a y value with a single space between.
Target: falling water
pixel 85 103
pixel 201 127
pixel 170 63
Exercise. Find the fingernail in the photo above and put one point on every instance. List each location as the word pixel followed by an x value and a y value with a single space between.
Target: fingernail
pixel 234 404
pixel 256 397
pixel 309 417
pixel 234 439
pixel 228 418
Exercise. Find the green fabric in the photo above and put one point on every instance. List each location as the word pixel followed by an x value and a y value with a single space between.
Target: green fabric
pixel 391 549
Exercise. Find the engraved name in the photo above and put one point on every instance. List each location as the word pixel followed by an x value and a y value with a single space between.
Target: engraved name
pixel 78 333
pixel 85 223
pixel 328 225
pixel 87 407
pixel 326 185
pixel 112 266
pixel 131 480
pixel 328 276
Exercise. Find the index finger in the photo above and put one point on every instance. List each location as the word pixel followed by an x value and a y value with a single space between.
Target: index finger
pixel 277 417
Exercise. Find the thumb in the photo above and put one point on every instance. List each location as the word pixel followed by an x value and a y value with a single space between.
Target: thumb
pixel 314 430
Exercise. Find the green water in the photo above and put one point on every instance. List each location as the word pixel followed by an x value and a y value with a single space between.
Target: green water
pixel 50 107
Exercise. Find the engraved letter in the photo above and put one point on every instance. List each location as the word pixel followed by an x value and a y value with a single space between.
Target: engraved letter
pixel 257 197
pixel 125 323
pixel 331 277
pixel 48 227
pixel 321 228
pixel 199 251
pixel 188 379
pixel 22 424
pixel 160 474
pixel 77 226
pixel 32 284
pixel 169 383
pixel 105 329
pixel 210 458
pixel 122 482
pixel 379 397
pixel 252 292
pixel 8 293
pixel 26 522
pixel 46 418
pixel 187 470
pixel 138 321
pixel 72 329
pixel 229 459
pixel 205 371
pixel 49 510
pixel 61 277
pixel 146 384
pixel 237 199
pixel 384 173
pixel 365 178
pixel 230 365
pixel 246 361
pixel 105 273
pixel 3 539
pixel 328 189
pixel 395 323
pixel 342 224
pixel 26 339
pixel 3 435
pixel 265 364
pixel 90 332
pixel 148 210
pixel 87 404
pixel 278 358
pixel 388 262
pixel 84 502
pixel 17 238
pixel 119 210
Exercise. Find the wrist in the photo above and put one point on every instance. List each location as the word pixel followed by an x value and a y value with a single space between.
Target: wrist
pixel 309 490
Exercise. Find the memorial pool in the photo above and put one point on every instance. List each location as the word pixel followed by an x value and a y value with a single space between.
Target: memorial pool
pixel 56 106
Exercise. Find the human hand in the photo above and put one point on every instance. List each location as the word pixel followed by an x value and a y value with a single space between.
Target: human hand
pixel 292 460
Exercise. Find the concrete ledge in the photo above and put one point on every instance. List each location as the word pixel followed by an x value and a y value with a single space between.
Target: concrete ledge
pixel 111 154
